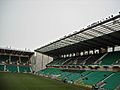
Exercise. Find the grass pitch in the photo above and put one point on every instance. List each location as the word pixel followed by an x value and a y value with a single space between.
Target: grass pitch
pixel 19 81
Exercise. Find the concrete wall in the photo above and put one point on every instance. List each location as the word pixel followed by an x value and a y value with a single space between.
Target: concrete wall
pixel 41 61
pixel 33 62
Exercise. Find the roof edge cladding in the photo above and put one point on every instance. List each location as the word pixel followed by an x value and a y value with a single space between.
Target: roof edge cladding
pixel 95 30
pixel 15 51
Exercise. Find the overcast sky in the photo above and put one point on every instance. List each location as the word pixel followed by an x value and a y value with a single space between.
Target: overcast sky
pixel 35 23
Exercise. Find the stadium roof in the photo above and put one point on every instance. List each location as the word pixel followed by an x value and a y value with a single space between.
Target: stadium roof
pixel 100 34
pixel 15 51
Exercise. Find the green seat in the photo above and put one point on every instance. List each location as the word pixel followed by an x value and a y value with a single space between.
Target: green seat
pixel 11 68
pixel 50 71
pixel 95 77
pixel 110 58
pixel 73 77
pixel 56 62
pixel 1 67
pixel 64 75
pixel 24 69
pixel 112 82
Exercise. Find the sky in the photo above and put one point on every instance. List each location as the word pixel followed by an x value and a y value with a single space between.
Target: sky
pixel 34 23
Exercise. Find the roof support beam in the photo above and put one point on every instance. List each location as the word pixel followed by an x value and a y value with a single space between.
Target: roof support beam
pixel 102 44
pixel 93 43
pixel 103 39
pixel 107 27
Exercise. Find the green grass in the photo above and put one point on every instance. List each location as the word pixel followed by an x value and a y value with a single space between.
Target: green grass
pixel 19 81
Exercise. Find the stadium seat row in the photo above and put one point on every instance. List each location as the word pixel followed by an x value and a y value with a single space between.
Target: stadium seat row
pixel 13 68
pixel 96 59
pixel 101 79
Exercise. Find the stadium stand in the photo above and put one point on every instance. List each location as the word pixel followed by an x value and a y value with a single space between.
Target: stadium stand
pixel 87 58
pixel 15 60
pixel 109 59
pixel 110 79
